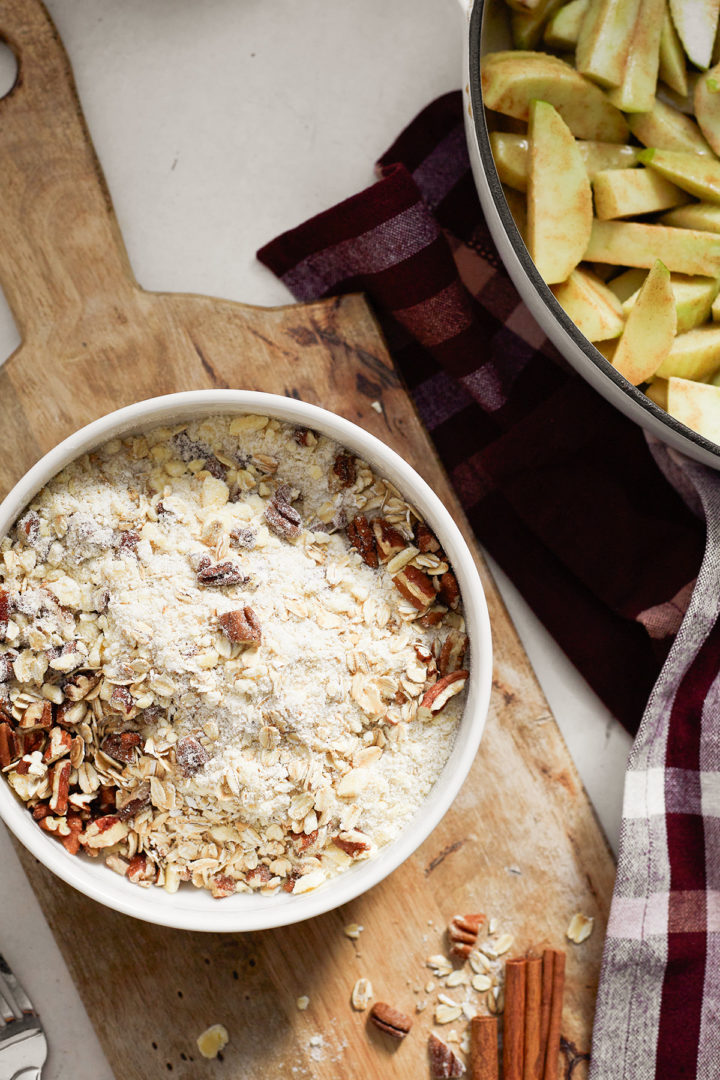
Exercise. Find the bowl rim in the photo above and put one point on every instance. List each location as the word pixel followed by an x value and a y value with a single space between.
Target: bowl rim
pixel 643 410
pixel 227 915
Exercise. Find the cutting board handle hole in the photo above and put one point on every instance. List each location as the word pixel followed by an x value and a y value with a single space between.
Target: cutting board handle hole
pixel 8 69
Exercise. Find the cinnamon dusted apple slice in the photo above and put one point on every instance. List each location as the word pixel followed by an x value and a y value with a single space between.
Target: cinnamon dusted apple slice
pixel 563 29
pixel 511 151
pixel 696 23
pixel 694 355
pixel 698 174
pixel 511 80
pixel 650 328
pixel 672 69
pixel 697 405
pixel 694 297
pixel 703 216
pixel 633 243
pixel 666 128
pixel 628 192
pixel 636 93
pixel 594 309
pixel 559 199
pixel 707 106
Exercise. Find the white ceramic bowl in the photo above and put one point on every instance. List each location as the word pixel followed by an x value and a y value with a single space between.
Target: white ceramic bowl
pixel 194 909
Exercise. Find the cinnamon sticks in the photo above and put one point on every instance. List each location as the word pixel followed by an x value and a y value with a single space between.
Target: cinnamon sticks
pixel 484 1048
pixel 534 990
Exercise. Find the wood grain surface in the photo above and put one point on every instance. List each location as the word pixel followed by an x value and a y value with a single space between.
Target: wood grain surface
pixel 521 841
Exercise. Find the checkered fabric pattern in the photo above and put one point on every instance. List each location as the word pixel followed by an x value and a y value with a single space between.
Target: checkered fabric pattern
pixel 601 530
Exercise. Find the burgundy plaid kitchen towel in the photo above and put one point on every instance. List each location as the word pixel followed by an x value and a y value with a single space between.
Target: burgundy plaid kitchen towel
pixel 602 534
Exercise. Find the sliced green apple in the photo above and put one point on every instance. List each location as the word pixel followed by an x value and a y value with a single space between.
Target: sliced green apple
pixel 511 154
pixel 697 405
pixel 703 216
pixel 559 199
pixel 636 93
pixel 666 128
pixel 527 26
pixel 707 106
pixel 604 40
pixel 696 23
pixel 657 391
pixel 694 355
pixel 594 309
pixel 715 309
pixel 649 329
pixel 672 69
pixel 633 243
pixel 693 300
pixel 627 283
pixel 697 174
pixel 563 29
pixel 628 192
pixel 510 81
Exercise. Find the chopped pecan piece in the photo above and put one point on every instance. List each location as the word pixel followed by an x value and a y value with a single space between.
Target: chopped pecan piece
pixel 449 590
pixel 452 652
pixel 60 775
pixel 305 840
pixel 243 537
pixel 38 715
pixel 259 876
pixel 71 842
pixel 415 586
pixel 122 701
pixel 353 843
pixel 390 1020
pixel 104 802
pixel 433 616
pixel 130 803
pixel 463 932
pixel 140 869
pixel 78 686
pixel 28 527
pixel 190 755
pixel 58 745
pixel 302 436
pixel 361 537
pixel 6 666
pixel 426 540
pixel 345 470
pixel 221 574
pixel 8 746
pixel 4 612
pixel 389 540
pixel 222 885
pixel 128 542
pixel 444 1064
pixel 121 745
pixel 440 693
pixel 104 832
pixel 242 625
pixel 29 741
pixel 283 518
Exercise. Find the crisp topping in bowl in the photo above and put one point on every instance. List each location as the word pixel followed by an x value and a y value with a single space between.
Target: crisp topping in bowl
pixel 230 654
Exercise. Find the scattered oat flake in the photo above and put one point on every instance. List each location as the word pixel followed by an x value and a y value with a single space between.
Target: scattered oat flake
pixel 580 928
pixel 479 962
pixel 213 1040
pixel 503 944
pixel 362 993
pixel 481 982
pixel 445 1014
pixel 377 406
pixel 353 930
pixel 303 1002
pixel 439 964
pixel 492 926
pixel 456 978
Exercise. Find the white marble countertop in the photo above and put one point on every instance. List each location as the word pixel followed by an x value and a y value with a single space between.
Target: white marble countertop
pixel 219 124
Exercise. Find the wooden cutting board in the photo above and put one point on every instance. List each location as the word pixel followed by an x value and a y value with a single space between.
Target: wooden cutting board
pixel 521 841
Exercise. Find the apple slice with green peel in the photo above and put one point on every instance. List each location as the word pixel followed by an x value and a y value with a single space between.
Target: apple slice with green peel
pixel 636 93
pixel 627 283
pixel 696 23
pixel 633 243
pixel 697 174
pixel 707 106
pixel 649 329
pixel 703 216
pixel 694 355
pixel 672 70
pixel 510 81
pixel 527 26
pixel 511 157
pixel 563 29
pixel 657 391
pixel 665 128
pixel 628 192
pixel 693 300
pixel 594 309
pixel 697 405
pixel 604 40
pixel 559 199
